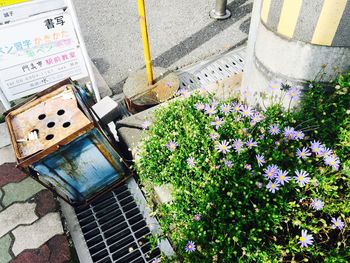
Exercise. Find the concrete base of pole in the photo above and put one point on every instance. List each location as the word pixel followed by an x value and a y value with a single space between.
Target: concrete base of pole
pixel 140 96
pixel 213 14
pixel 276 58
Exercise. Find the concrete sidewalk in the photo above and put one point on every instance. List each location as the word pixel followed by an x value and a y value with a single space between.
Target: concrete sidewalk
pixel 181 33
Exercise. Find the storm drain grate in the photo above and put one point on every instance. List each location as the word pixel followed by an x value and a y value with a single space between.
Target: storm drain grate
pixel 115 230
pixel 209 71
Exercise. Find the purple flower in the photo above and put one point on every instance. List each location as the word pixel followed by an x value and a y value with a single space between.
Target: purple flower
pixel 223 147
pixel 272 186
pixel 326 152
pixel 255 118
pixel 146 124
pixel 197 217
pixel 316 148
pixel 168 85
pixel 238 145
pixel 337 223
pixel 275 86
pixel 237 118
pixel 250 143
pixel 304 153
pixel 191 162
pixel 294 93
pixel 332 161
pixel 271 171
pixel 226 108
pixel 277 143
pixel 289 133
pixel 199 106
pixel 228 164
pixel 184 92
pixel 259 184
pixel 261 137
pixel 301 177
pixel 236 107
pixel 246 111
pixel 282 177
pixel 217 122
pixel 209 110
pixel 317 204
pixel 190 246
pixel 213 136
pixel 273 130
pixel 247 166
pixel 299 135
pixel 171 145
pixel 156 260
pixel 305 240
pixel 260 159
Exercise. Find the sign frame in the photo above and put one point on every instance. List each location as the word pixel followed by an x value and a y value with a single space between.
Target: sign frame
pixel 69 10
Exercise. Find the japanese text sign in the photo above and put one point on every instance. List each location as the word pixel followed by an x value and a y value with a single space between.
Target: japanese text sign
pixel 37 53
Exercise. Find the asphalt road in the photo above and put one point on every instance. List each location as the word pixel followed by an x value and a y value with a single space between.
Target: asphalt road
pixel 180 32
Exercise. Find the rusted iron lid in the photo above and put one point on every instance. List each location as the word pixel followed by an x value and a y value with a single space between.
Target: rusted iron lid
pixel 39 126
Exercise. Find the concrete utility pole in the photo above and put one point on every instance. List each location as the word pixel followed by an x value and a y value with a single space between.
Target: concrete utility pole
pixel 295 40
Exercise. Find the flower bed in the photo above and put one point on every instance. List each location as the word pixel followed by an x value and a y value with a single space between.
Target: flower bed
pixel 249 186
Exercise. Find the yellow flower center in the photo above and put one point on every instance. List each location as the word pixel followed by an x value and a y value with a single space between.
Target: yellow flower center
pixel 302 239
pixel 302 154
pixel 332 162
pixel 172 146
pixel 218 122
pixel 269 174
pixel 292 94
pixel 189 246
pixel 237 108
pixel 336 224
pixel 316 149
pixel 250 145
pixel 223 147
pixel 273 130
pixel 273 186
pixel 300 177
pixel 282 177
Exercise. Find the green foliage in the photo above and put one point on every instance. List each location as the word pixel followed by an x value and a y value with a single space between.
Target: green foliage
pixel 240 220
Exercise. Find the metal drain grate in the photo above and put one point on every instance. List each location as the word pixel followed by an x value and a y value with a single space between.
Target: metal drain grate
pixel 210 71
pixel 115 230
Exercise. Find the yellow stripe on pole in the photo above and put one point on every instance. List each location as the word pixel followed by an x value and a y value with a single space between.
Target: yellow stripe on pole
pixel 265 10
pixel 289 17
pixel 11 2
pixel 146 50
pixel 328 22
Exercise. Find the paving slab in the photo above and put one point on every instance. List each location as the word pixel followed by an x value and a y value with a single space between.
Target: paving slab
pixel 4 135
pixel 35 235
pixel 10 174
pixel 5 243
pixel 7 155
pixel 17 214
pixel 22 191
pixel 56 250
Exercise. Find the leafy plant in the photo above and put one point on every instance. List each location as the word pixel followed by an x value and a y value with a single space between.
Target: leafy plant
pixel 249 186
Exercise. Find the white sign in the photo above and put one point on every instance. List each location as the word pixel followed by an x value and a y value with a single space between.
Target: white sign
pixel 38 52
pixel 24 10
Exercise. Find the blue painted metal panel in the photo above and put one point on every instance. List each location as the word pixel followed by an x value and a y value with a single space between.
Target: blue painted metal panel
pixel 83 167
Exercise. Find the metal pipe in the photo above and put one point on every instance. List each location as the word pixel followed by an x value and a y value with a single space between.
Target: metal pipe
pixel 220 12
pixel 147 53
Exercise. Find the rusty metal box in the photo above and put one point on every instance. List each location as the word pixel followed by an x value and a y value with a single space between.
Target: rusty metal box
pixel 58 141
